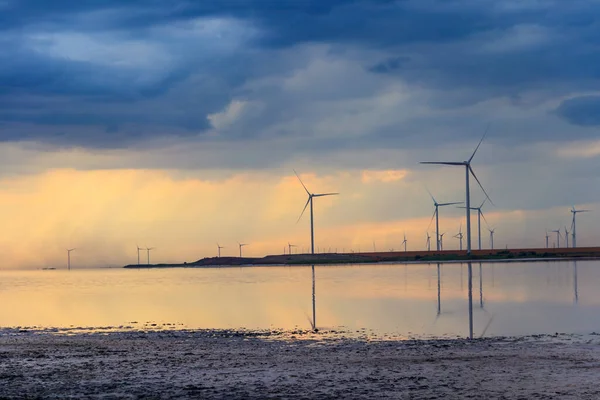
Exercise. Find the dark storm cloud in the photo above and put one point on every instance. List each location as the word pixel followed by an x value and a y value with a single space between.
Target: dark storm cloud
pixel 583 110
pixel 487 48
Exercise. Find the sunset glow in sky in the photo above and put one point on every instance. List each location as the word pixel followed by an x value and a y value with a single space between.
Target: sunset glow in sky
pixel 179 125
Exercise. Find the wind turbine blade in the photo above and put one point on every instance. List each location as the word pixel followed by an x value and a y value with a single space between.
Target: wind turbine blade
pixel 479 144
pixel 304 209
pixel 325 194
pixel 432 198
pixel 442 162
pixel 432 217
pixel 483 216
pixel 298 176
pixel 480 185
pixel 449 204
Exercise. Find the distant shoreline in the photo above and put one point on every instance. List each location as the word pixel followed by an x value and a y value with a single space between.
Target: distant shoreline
pixel 412 257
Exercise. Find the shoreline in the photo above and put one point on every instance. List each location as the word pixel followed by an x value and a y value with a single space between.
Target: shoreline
pixel 253 365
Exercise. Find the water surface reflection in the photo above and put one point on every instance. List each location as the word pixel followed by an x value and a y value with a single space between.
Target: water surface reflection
pixel 513 299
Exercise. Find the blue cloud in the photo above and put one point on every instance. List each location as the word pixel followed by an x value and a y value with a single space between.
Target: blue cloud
pixel 583 110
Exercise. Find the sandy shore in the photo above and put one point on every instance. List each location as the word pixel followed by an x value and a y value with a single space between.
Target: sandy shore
pixel 253 365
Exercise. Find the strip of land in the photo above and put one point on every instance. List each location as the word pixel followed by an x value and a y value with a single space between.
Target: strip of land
pixel 245 365
pixel 398 256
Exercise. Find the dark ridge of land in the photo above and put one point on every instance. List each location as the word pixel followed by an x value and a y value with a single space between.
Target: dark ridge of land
pixel 383 257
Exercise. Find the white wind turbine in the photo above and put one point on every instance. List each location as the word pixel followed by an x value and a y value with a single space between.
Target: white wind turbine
pixel 69 257
pixel 567 236
pixel 468 171
pixel 436 214
pixel 242 245
pixel 404 242
pixel 219 247
pixel 574 226
pixel 460 236
pixel 547 237
pixel 310 201
pixel 442 240
pixel 492 231
pixel 428 243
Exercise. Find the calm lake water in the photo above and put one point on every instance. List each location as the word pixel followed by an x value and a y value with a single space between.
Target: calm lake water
pixel 394 299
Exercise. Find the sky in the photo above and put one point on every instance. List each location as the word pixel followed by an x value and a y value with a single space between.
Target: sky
pixel 177 125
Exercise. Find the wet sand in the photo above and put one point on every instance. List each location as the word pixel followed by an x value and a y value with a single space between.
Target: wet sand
pixel 256 365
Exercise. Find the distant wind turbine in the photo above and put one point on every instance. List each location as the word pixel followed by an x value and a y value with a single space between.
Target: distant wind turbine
pixel 290 247
pixel 468 171
pixel 148 253
pixel 219 247
pixel 436 215
pixel 442 240
pixel 479 215
pixel 69 257
pixel 138 253
pixel 574 226
pixel 404 242
pixel 460 236
pixel 428 242
pixel 567 236
pixel 310 201
pixel 547 237
pixel 492 231
pixel 242 245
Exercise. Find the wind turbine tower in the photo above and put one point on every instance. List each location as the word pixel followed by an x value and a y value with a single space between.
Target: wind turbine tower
pixel 557 231
pixel 311 196
pixel 492 231
pixel 242 245
pixel 148 253
pixel 404 242
pixel 468 172
pixel 574 226
pixel 138 253
pixel 219 247
pixel 460 236
pixel 69 258
pixel 290 247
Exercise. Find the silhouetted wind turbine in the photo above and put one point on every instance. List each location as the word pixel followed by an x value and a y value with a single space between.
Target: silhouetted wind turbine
pixel 290 247
pixel 574 226
pixel 242 245
pixel 404 242
pixel 138 253
pixel 148 253
pixel 468 171
pixel 219 247
pixel 436 215
pixel 310 200
pixel 492 231
pixel 69 257
pixel 459 236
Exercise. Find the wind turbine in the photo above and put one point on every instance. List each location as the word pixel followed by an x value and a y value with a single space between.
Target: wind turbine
pixel 290 247
pixel 242 245
pixel 547 237
pixel 567 236
pixel 442 240
pixel 479 215
pixel 459 236
pixel 310 200
pixel 428 242
pixel 138 251
pixel 436 214
pixel 557 231
pixel 148 253
pixel 468 171
pixel 492 231
pixel 574 226
pixel 219 247
pixel 404 242
pixel 69 257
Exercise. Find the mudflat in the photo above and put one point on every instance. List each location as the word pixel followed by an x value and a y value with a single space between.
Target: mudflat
pixel 297 365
